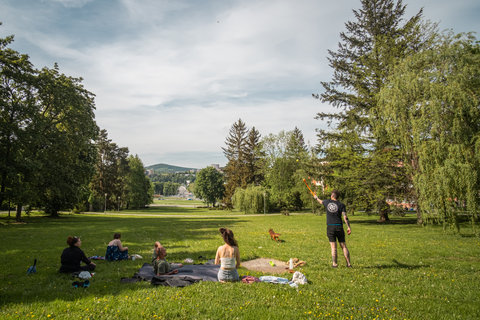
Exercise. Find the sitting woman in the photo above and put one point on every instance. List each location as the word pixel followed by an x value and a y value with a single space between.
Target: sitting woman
pixel 160 264
pixel 228 256
pixel 73 255
pixel 115 250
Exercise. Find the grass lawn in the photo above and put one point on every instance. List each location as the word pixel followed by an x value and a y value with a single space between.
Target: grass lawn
pixel 401 270
pixel 177 201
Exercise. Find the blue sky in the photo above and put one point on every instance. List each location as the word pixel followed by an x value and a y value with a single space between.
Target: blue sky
pixel 171 77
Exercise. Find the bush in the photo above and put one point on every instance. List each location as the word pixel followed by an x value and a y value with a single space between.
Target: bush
pixel 251 199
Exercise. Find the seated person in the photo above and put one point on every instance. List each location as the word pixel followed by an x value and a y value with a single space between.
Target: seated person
pixel 115 250
pixel 160 264
pixel 228 257
pixel 73 255
pixel 155 248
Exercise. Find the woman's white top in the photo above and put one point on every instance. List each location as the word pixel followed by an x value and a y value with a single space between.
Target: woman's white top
pixel 229 263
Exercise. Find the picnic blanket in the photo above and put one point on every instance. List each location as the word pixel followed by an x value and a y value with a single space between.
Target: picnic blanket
pixel 188 274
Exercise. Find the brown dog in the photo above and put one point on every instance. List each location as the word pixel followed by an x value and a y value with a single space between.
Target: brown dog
pixel 274 235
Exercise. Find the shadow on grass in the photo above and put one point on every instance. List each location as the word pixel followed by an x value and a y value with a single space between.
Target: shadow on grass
pixel 397 265
pixel 392 221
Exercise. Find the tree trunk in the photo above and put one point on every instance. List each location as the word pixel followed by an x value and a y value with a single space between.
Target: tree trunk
pixel 383 210
pixel 18 216
pixel 419 215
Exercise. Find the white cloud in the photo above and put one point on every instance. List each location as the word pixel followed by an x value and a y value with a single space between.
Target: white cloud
pixel 171 77
pixel 70 3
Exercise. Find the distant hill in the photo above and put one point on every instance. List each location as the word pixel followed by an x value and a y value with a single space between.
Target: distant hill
pixel 166 168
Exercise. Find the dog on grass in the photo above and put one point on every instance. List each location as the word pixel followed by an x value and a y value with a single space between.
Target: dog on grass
pixel 273 235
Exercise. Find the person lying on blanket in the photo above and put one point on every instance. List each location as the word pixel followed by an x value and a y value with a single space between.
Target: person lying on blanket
pixel 160 264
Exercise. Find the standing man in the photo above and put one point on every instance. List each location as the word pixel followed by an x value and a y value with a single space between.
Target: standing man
pixel 335 211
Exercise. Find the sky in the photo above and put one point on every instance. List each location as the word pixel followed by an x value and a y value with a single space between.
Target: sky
pixel 171 77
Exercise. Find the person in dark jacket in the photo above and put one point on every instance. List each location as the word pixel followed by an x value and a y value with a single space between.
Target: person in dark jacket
pixel 73 255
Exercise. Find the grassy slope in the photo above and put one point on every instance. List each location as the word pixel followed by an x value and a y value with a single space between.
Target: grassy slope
pixel 402 271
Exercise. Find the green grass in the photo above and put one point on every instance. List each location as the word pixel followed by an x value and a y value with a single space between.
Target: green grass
pixel 401 270
pixel 178 201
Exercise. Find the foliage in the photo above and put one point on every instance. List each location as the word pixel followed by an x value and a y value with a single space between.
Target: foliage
pixel 285 159
pixel 170 188
pixel 244 159
pixel 209 185
pixel 138 186
pixel 431 104
pixel 162 168
pixel 235 170
pixel 253 158
pixel 47 125
pixel 177 177
pixel 365 57
pixel 108 186
pixel 253 199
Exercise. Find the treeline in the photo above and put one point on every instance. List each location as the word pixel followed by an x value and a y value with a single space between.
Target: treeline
pixel 52 155
pixel 167 184
pixel 262 173
pixel 407 128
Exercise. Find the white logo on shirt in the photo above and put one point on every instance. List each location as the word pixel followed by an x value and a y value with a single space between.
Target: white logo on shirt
pixel 332 207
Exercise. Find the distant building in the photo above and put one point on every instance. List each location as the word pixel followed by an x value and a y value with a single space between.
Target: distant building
pixel 217 167
pixel 149 172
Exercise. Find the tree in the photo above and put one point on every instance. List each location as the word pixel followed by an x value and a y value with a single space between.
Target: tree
pixel 67 127
pixel 235 152
pixel 170 188
pixel 108 186
pixel 18 108
pixel 367 53
pixel 431 106
pixel 47 125
pixel 285 157
pixel 253 158
pixel 253 199
pixel 139 188
pixel 209 185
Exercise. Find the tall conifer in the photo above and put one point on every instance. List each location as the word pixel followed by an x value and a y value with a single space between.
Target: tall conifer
pixel 369 49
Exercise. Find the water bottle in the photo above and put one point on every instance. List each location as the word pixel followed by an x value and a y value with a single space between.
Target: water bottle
pixel 290 264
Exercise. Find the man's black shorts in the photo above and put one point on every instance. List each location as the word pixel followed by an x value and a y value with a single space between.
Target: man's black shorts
pixel 334 233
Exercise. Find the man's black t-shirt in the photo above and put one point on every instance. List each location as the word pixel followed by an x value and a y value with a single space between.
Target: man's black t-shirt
pixel 334 211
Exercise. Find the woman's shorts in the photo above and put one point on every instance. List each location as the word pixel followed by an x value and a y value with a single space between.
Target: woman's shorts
pixel 228 275
pixel 334 233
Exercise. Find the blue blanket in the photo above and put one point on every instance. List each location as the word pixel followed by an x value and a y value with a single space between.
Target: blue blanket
pixel 199 272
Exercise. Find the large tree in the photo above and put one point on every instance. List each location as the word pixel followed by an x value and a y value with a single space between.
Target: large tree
pixel 18 108
pixel 235 151
pixel 108 186
pixel 253 158
pixel 285 158
pixel 67 127
pixel 46 132
pixel 138 186
pixel 209 185
pixel 431 107
pixel 47 128
pixel 369 49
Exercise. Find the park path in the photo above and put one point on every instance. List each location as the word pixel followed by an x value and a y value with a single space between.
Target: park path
pixel 180 215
